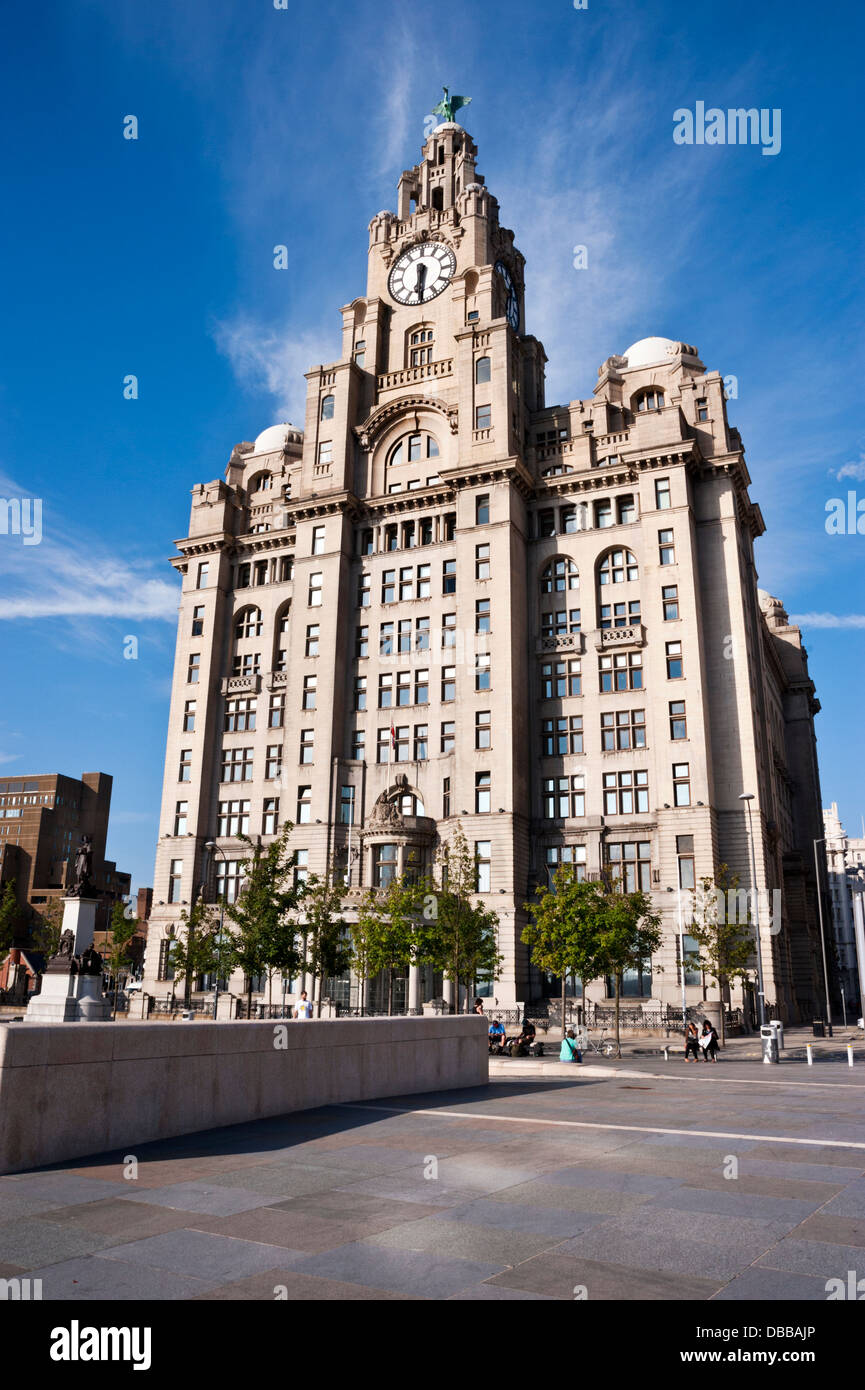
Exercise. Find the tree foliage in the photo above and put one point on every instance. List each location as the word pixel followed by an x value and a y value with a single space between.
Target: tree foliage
pixel 725 947
pixel 564 935
pixel 459 936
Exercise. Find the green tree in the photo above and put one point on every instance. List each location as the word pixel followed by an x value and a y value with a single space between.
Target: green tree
pixel 328 952
pixel 47 927
pixel 725 947
pixel 363 933
pixel 11 916
pixel 193 951
pixel 122 930
pixel 459 936
pixel 629 932
pixel 265 930
pixel 565 932
pixel 390 927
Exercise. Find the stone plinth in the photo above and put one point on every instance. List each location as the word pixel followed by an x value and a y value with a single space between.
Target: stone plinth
pixel 66 997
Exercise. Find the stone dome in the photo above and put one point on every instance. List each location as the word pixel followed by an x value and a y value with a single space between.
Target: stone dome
pixel 650 352
pixel 276 437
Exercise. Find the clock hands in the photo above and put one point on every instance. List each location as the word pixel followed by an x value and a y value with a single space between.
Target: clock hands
pixel 421 281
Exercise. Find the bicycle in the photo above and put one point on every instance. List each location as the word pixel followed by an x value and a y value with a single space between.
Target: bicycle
pixel 601 1046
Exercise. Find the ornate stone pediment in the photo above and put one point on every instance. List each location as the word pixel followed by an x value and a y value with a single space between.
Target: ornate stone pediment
pixel 384 415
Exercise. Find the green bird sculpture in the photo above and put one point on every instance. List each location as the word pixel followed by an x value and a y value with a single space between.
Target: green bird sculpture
pixel 448 106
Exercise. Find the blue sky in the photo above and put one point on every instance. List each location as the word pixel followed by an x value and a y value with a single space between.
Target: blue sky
pixel 260 126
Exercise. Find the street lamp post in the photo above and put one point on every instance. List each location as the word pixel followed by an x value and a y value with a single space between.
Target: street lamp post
pixel 748 797
pixel 822 841
pixel 215 849
pixel 859 933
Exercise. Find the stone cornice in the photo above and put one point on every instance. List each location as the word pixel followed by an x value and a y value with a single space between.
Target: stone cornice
pixel 382 416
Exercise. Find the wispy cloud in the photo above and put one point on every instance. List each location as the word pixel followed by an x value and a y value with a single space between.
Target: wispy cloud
pixel 852 470
pixel 273 360
pixel 828 620
pixel 66 576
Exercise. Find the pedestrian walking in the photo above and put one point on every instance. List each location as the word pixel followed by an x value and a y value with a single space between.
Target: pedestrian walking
pixel 709 1042
pixel 303 1007
pixel 691 1041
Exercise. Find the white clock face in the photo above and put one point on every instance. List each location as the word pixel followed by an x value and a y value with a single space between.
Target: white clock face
pixel 421 273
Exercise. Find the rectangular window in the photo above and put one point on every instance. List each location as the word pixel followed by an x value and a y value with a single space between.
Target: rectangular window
pixel 482 509
pixel 317 540
pixel 482 615
pixel 670 600
pixel 286 568
pixel 384 865
pixel 449 629
pixel 312 635
pixel 448 736
pixel 198 621
pixel 203 571
pixel 560 678
pixel 309 689
pixel 446 797
pixel 346 805
pixel 678 722
pixel 564 798
pixel 681 785
pixel 482 562
pixel 424 581
pixel 361 643
pixel 325 451
pixel 315 588
pixel 304 805
pixel 246 664
pixel 626 510
pixel 388 586
pixel 619 614
pixel 189 717
pixel 562 736
pixel 662 493
pixel 421 742
pixel 421 635
pixel 270 816
pixel 385 691
pixel 675 667
pixel 239 716
pixel 175 881
pixel 185 771
pixel 421 687
pixel 604 513
pixel 276 712
pixel 483 731
pixel 403 689
pixel 630 865
pixel 426 532
pixel 401 744
pixel 181 812
pixel 449 576
pixel 449 682
pixel 307 746
pixel 702 408
pixel 450 524
pixel 403 643
pixel 366 543
pixel 623 730
pixel 233 818
pixel 666 548
pixel 229 877
pixel 364 590
pixel 483 417
pixel 406 583
pixel 193 669
pixel 236 765
pixel 382 751
pixel 626 793
pixel 360 692
pixel 483 862
pixel 358 745
pixel 301 866
pixel 482 793
pixel 385 639
pixel 572 855
pixel 623 671
pixel 560 622
pixel 273 761
pixel 483 672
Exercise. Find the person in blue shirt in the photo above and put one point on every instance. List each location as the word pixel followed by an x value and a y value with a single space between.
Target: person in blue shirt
pixel 569 1052
pixel 496 1035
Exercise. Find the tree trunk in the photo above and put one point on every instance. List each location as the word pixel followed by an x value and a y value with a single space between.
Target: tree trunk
pixel 618 1039
pixel 390 991
pixel 723 1038
pixel 564 981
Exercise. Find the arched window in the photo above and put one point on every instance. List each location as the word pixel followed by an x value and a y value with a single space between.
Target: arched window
pixel 280 637
pixel 413 447
pixel 327 407
pixel 650 399
pixel 262 482
pixel 618 567
pixel 247 623
pixel 421 340
pixel 482 370
pixel 560 575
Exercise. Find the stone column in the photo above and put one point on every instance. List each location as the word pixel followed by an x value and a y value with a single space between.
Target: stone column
pixel 448 992
pixel 413 987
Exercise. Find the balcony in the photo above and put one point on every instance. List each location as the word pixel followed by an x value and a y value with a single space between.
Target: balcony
pixel 634 635
pixel 276 680
pixel 429 371
pixel 241 685
pixel 571 642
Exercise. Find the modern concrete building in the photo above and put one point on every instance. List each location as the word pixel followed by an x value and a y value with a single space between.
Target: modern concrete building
pixel 446 602
pixel 845 862
pixel 42 818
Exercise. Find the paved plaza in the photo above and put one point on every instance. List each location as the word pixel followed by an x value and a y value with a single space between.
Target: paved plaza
pixel 616 1179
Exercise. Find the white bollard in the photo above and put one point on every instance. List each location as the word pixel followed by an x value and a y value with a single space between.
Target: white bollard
pixel 849 1054
pixel 667 1055
pixel 810 1054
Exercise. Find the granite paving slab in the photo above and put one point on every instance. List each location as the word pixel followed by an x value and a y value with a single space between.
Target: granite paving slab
pixel 558 1276
pixel 32 1243
pixel 276 1183
pixel 407 1271
pixel 287 1285
pixel 122 1219
pixel 438 1236
pixel 512 1216
pixel 584 1199
pixel 678 1252
pixel 773 1286
pixel 201 1255
pixel 204 1197
pixel 98 1280
pixel 298 1229
pixel 733 1202
pixel 814 1257
pixel 837 1230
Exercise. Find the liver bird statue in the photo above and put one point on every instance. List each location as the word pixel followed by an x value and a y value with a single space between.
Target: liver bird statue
pixel 448 106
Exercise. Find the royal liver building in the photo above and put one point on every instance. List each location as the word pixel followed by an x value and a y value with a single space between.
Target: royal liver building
pixel 446 602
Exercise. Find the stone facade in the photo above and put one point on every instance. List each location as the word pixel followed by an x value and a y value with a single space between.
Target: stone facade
pixel 450 602
pixel 845 862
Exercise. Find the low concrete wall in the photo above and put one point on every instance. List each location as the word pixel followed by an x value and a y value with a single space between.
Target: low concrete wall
pixel 71 1089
